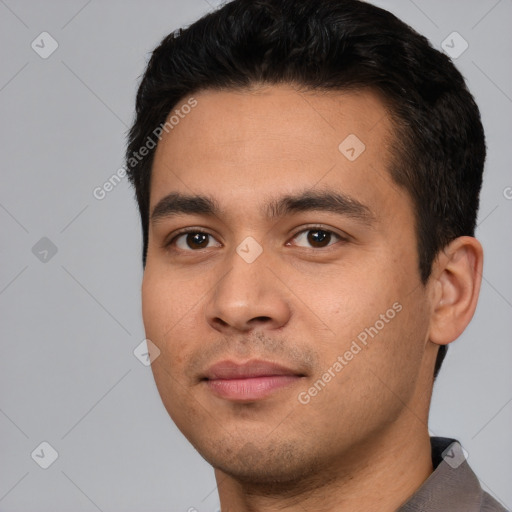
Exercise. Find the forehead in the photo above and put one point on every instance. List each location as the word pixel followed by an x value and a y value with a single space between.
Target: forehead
pixel 241 146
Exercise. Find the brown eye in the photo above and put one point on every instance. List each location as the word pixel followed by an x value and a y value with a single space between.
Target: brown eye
pixel 317 238
pixel 192 240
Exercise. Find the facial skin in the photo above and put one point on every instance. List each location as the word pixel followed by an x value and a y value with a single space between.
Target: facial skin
pixel 362 442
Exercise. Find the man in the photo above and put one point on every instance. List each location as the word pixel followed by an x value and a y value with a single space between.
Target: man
pixel 308 177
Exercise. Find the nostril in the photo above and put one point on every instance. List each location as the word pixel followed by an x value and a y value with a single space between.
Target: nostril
pixel 221 322
pixel 262 318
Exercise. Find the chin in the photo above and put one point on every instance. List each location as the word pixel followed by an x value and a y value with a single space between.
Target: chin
pixel 280 463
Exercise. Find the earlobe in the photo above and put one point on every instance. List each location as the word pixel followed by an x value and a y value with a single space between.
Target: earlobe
pixel 457 275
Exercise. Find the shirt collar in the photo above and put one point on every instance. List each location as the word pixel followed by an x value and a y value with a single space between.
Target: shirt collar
pixel 451 486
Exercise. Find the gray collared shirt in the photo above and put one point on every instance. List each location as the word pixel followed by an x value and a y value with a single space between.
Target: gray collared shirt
pixel 452 487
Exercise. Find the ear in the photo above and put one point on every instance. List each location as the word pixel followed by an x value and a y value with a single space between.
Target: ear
pixel 455 280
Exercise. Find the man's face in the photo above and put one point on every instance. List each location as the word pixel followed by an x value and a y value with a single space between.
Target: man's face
pixel 305 288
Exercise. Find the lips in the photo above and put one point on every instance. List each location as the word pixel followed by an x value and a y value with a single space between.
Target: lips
pixel 254 368
pixel 249 381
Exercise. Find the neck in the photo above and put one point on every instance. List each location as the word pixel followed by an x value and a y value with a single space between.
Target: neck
pixel 377 476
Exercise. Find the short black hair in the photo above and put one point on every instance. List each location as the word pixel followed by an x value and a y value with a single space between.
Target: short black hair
pixel 438 146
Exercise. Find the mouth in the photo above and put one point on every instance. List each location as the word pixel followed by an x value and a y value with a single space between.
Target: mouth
pixel 249 381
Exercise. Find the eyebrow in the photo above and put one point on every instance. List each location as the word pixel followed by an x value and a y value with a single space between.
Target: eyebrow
pixel 176 203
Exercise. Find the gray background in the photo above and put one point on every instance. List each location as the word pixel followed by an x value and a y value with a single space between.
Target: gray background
pixel 70 323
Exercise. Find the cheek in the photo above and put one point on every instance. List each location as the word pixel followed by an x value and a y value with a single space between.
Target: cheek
pixel 165 322
pixel 371 312
pixel 395 341
pixel 166 300
pixel 166 313
pixel 352 299
pixel 379 367
pixel 154 303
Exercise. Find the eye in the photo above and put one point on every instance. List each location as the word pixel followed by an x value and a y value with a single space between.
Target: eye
pixel 190 240
pixel 317 237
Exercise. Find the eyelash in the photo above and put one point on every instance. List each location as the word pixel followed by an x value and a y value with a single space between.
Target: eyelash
pixel 186 231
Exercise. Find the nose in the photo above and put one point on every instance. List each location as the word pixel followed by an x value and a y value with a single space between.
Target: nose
pixel 248 296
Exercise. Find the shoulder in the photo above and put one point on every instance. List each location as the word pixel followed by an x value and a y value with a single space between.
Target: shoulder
pixel 489 504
